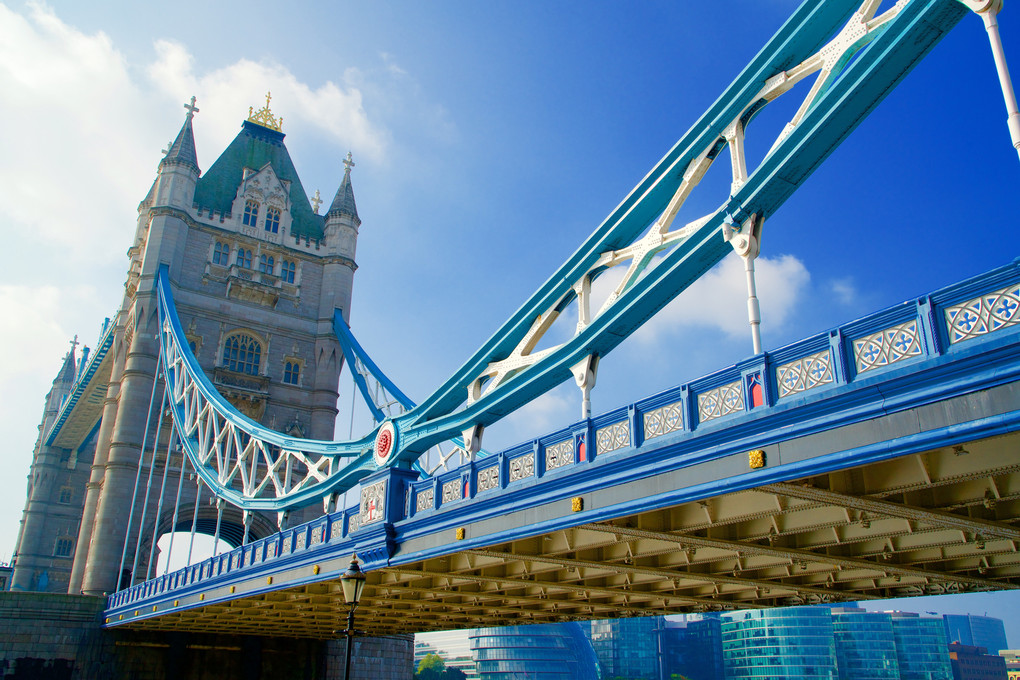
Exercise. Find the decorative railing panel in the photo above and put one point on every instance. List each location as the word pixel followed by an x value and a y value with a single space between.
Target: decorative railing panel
pixel 984 314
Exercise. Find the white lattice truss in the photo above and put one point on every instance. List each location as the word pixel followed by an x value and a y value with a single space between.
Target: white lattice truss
pixel 229 453
pixel 639 256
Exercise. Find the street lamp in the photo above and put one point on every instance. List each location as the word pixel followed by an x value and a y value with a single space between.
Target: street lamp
pixel 353 583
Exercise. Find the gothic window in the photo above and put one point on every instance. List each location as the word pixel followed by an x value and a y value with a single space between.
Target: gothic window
pixel 242 353
pixel 64 547
pixel 266 264
pixel 65 495
pixel 273 220
pixel 287 270
pixel 291 372
pixel 221 254
pixel 251 213
pixel 243 258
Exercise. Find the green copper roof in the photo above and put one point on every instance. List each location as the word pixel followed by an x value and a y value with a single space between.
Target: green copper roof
pixel 253 147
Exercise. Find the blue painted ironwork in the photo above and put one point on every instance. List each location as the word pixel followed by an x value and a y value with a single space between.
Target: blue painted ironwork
pixel 353 351
pixel 874 53
pixel 82 381
pixel 944 370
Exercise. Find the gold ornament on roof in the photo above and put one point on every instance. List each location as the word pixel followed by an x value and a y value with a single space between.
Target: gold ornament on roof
pixel 265 117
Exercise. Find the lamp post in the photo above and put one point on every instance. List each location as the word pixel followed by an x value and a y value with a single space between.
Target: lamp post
pixel 353 583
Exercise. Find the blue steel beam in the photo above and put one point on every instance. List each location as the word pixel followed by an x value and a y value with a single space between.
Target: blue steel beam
pixel 957 383
pixel 844 104
pixel 853 88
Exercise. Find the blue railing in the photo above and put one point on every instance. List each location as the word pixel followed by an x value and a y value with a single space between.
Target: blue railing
pixel 961 324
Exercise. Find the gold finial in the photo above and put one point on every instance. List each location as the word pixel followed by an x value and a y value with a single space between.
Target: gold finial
pixel 265 117
pixel 316 202
pixel 349 161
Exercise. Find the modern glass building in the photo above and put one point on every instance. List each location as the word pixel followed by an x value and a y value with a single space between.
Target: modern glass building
pixel 976 631
pixel 627 648
pixel 782 644
pixel 921 648
pixel 548 651
pixel 865 648
pixel 692 647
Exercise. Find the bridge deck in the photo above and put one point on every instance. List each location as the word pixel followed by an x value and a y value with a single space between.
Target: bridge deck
pixel 878 460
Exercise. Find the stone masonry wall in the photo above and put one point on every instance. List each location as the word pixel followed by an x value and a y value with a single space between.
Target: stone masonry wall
pixel 50 636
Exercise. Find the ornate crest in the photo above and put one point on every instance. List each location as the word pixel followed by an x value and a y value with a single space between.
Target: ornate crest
pixel 265 117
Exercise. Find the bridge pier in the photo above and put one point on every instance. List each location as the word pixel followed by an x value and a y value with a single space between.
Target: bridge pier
pixel 57 636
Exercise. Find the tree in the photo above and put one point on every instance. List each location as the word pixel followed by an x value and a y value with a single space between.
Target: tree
pixel 431 667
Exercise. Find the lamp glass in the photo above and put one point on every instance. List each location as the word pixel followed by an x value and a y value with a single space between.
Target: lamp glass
pixel 353 582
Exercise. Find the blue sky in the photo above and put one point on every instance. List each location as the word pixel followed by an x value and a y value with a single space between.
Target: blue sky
pixel 490 139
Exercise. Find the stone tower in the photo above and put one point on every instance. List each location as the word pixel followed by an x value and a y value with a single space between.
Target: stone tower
pixel 256 274
pixel 56 490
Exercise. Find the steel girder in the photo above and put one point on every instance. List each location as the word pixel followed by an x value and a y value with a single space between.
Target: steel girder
pixel 856 58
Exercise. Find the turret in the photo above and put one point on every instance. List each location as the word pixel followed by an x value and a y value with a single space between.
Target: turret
pixel 179 171
pixel 342 219
pixel 35 552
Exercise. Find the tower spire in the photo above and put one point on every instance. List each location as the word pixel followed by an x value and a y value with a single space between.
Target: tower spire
pixel 182 151
pixel 343 202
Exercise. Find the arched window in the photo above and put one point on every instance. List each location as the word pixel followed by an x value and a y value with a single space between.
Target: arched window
pixel 287 270
pixel 221 254
pixel 66 494
pixel 242 353
pixel 273 220
pixel 251 213
pixel 243 258
pixel 64 547
pixel 266 264
pixel 291 372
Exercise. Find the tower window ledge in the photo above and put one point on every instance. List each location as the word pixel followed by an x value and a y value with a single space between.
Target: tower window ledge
pixel 242 384
pixel 248 285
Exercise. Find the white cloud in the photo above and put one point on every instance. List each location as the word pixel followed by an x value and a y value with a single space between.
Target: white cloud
pixel 330 109
pixel 844 291
pixel 718 300
pixel 84 126
pixel 549 412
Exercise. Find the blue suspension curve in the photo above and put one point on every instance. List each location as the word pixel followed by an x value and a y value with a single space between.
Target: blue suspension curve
pixel 864 57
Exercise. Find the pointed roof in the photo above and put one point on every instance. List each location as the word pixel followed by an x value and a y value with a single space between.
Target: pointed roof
pixel 253 147
pixel 182 151
pixel 68 370
pixel 343 203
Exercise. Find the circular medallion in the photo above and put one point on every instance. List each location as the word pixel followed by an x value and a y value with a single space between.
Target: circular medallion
pixel 385 443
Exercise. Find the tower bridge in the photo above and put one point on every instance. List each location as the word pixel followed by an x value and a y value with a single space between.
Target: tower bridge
pixel 875 460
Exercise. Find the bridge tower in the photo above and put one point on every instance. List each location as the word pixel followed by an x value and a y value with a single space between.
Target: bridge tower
pixel 257 273
pixel 56 483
